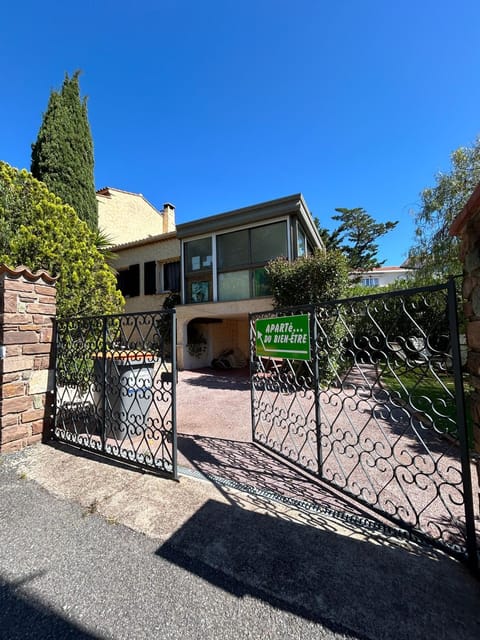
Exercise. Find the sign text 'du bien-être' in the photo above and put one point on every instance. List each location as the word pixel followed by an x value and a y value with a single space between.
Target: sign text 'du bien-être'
pixel 287 337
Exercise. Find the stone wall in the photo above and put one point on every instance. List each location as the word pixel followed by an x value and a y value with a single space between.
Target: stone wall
pixel 27 311
pixel 470 255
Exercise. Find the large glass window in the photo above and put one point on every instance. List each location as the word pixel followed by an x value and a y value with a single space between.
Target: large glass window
pixel 198 270
pixel 233 249
pixel 240 263
pixel 250 248
pixel 269 241
pixel 234 285
pixel 261 285
pixel 198 255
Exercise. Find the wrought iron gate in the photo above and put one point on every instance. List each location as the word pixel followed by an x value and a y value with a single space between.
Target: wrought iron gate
pixel 115 381
pixel 378 410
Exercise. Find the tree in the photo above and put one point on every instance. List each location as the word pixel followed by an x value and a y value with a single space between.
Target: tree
pixel 330 239
pixel 435 253
pixel 309 279
pixel 43 233
pixel 62 156
pixel 360 231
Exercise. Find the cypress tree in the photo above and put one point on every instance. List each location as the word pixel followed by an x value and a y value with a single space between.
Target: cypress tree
pixel 62 156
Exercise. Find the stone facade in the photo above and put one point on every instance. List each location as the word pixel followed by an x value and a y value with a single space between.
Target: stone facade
pixel 467 227
pixel 27 311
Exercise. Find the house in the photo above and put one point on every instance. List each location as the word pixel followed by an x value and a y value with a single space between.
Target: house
pixel 126 216
pixel 217 263
pixel 381 276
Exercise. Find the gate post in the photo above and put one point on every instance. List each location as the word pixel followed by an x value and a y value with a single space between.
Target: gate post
pixel 316 375
pixel 470 533
pixel 27 311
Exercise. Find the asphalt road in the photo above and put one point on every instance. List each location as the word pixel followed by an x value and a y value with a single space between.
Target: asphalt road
pixel 230 567
pixel 69 573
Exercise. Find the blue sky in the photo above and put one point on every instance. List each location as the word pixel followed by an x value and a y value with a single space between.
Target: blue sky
pixel 220 104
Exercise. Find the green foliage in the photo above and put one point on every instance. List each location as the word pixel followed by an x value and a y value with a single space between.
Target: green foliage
pixel 431 394
pixel 309 279
pixel 164 325
pixel 313 279
pixel 360 231
pixel 103 242
pixel 435 254
pixel 43 233
pixel 62 156
pixel 172 299
pixel 330 239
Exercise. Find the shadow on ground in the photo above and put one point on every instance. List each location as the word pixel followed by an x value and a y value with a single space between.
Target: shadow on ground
pixel 371 586
pixel 245 464
pixel 23 616
pixel 230 379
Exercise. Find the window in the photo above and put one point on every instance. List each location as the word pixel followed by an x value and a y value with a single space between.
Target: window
pixel 150 278
pixel 268 242
pixel 198 255
pixel 261 286
pixel 241 256
pixel 301 242
pixel 128 281
pixel 233 249
pixel 370 282
pixel 234 285
pixel 171 276
pixel 198 270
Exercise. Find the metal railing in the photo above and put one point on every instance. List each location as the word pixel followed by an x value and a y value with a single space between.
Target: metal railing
pixel 115 384
pixel 378 412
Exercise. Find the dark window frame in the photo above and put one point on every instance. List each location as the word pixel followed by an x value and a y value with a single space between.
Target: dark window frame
pixel 171 275
pixel 128 281
pixel 150 278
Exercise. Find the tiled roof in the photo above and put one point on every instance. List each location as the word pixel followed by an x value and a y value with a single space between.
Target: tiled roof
pixel 104 191
pixel 21 270
pixel 148 240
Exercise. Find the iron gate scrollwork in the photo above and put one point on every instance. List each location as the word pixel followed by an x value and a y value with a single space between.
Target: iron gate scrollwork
pixel 115 387
pixel 378 412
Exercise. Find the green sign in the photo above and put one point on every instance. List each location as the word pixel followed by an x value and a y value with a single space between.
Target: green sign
pixel 287 337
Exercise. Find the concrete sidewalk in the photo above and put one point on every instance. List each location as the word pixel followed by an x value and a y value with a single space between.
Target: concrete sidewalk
pixel 280 570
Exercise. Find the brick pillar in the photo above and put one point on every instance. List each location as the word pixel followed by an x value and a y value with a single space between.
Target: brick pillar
pixel 27 310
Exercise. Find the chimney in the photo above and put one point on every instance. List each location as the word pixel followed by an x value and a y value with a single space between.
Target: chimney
pixel 168 218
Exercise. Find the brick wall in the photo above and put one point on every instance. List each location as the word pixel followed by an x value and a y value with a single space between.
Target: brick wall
pixel 27 310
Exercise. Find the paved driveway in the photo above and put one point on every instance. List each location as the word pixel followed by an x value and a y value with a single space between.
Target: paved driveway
pixel 369 446
pixel 214 404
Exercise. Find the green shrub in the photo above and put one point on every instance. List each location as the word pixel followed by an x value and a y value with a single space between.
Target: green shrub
pixel 308 280
pixel 314 280
pixel 41 232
